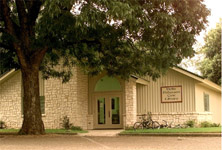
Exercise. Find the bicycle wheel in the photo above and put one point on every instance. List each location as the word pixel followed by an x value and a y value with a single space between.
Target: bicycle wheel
pixel 148 125
pixel 155 125
pixel 138 125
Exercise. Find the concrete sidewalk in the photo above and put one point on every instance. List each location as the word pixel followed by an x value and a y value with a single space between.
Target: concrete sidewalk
pixel 98 133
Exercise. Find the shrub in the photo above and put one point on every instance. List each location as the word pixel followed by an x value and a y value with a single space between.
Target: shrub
pixel 129 128
pixel 215 125
pixel 2 125
pixel 66 123
pixel 206 124
pixel 190 123
pixel 76 128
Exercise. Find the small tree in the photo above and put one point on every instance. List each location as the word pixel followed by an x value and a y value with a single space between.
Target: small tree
pixel 210 67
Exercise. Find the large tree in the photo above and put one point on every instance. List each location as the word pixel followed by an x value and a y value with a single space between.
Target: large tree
pixel 210 67
pixel 121 37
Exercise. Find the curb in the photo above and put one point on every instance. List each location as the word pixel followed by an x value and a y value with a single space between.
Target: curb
pixel 6 133
pixel 173 134
pixel 63 133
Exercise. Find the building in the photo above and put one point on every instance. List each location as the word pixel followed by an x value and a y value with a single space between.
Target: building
pixel 105 102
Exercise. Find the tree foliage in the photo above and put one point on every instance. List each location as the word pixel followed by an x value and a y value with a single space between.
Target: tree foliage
pixel 210 67
pixel 121 37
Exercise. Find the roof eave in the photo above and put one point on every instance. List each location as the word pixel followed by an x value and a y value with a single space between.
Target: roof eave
pixel 8 75
pixel 203 81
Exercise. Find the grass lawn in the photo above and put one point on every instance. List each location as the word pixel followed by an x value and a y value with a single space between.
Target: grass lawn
pixel 184 130
pixel 50 131
pixel 65 131
pixel 9 130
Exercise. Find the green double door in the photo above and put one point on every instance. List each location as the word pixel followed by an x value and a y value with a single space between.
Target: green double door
pixel 108 112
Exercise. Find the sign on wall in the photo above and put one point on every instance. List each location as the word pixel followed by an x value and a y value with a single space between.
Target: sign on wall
pixel 170 94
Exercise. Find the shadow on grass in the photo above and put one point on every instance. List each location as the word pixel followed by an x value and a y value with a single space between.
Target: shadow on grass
pixel 48 131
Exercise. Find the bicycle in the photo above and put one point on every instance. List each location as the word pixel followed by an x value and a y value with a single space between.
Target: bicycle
pixel 179 126
pixel 172 125
pixel 146 123
pixel 166 124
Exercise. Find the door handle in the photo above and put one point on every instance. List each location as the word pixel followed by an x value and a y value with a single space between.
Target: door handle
pixel 109 114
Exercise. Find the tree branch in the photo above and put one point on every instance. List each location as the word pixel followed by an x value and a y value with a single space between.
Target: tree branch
pixel 38 56
pixel 33 12
pixel 29 4
pixel 8 47
pixel 23 20
pixel 2 30
pixel 5 14
pixel 33 9
pixel 9 28
pixel 24 27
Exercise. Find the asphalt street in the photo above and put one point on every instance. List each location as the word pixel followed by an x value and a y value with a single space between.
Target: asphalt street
pixel 75 142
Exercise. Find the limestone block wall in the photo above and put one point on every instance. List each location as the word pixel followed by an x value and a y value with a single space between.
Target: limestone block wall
pixel 60 101
pixel 130 103
pixel 205 116
pixel 179 118
pixel 82 99
pixel 69 99
pixel 10 101
pixel 90 122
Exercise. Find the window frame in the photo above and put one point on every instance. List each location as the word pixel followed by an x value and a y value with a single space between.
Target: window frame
pixel 41 95
pixel 206 102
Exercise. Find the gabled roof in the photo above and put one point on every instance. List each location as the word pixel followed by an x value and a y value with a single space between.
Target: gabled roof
pixel 7 75
pixel 202 80
pixel 196 77
pixel 191 73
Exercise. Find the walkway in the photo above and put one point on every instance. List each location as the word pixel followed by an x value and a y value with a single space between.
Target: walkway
pixel 98 133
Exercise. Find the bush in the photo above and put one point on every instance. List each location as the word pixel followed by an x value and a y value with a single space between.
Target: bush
pixel 206 124
pixel 66 123
pixel 76 128
pixel 190 123
pixel 2 125
pixel 129 128
pixel 215 125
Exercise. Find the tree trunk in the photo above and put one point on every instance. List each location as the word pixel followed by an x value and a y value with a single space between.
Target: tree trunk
pixel 32 123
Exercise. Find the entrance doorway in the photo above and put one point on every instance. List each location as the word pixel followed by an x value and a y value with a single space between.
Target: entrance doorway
pixel 106 102
pixel 108 111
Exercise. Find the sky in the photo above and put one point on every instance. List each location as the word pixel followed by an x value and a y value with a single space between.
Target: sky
pixel 216 12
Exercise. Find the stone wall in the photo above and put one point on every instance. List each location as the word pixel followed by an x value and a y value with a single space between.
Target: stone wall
pixel 10 101
pixel 90 122
pixel 180 118
pixel 69 99
pixel 82 99
pixel 130 103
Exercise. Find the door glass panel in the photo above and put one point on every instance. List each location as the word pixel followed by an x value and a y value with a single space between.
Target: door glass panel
pixel 101 111
pixel 115 110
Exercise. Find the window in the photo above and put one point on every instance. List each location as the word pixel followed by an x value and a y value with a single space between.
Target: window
pixel 107 84
pixel 206 102
pixel 42 104
pixel 41 94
